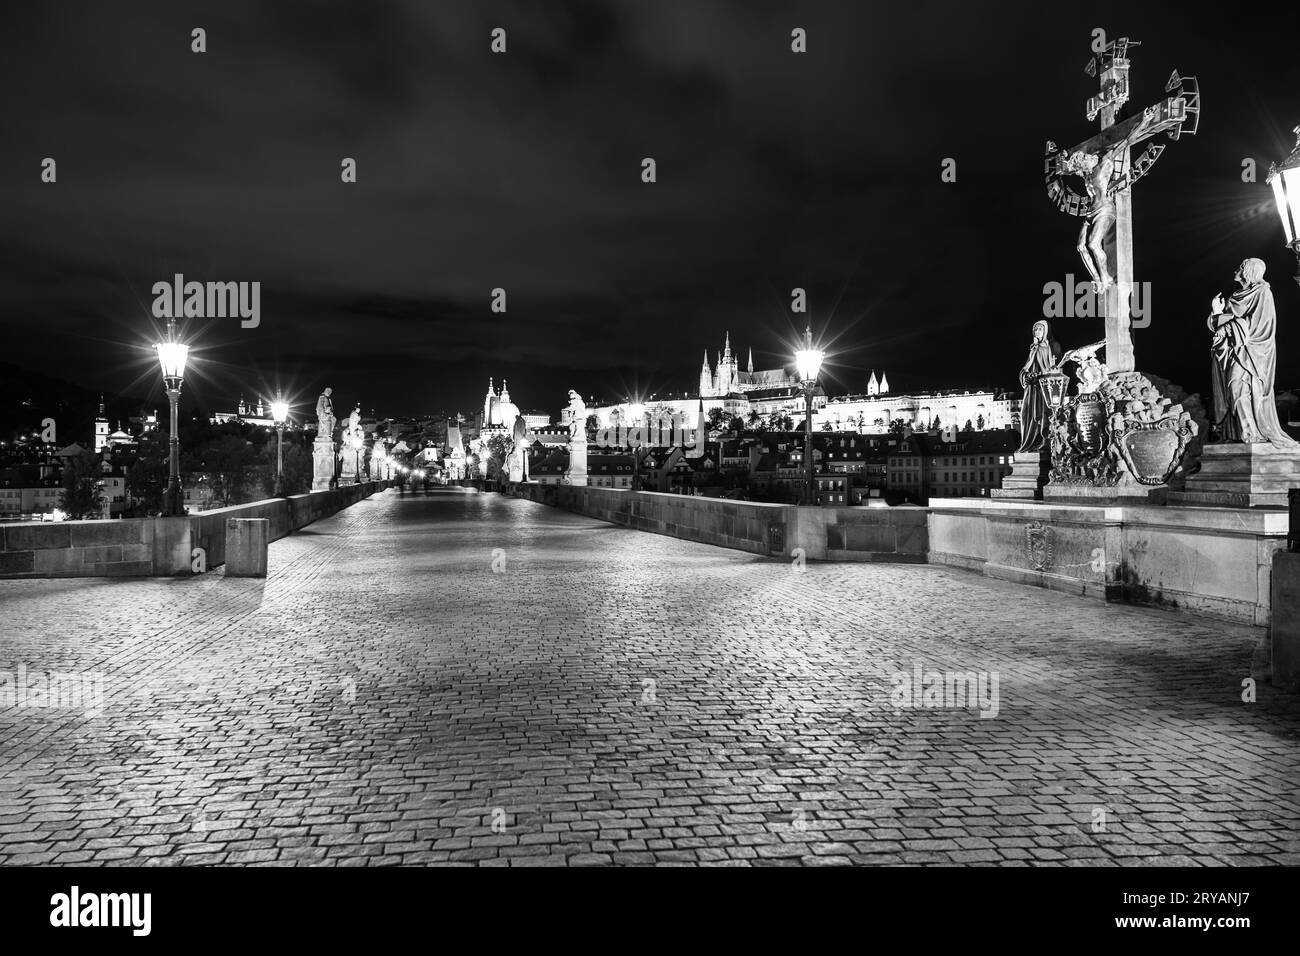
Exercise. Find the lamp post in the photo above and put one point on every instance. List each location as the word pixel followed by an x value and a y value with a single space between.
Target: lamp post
pixel 808 363
pixel 637 412
pixel 1284 177
pixel 280 414
pixel 172 354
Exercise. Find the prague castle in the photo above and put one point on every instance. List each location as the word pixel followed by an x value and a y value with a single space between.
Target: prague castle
pixel 729 379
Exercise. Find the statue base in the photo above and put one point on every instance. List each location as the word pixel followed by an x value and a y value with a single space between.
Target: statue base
pixel 576 473
pixel 1131 439
pixel 1238 475
pixel 322 461
pixel 348 467
pixel 1028 475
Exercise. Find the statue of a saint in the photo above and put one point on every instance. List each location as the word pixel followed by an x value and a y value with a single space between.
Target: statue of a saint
pixel 1244 349
pixel 576 415
pixel 352 433
pixel 1044 353
pixel 325 415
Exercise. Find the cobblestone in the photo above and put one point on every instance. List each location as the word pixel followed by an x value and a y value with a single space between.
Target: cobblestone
pixel 615 697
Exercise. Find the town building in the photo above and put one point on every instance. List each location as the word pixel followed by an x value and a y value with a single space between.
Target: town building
pixel 925 465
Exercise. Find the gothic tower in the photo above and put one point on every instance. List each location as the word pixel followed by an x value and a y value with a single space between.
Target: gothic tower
pixel 101 427
pixel 706 378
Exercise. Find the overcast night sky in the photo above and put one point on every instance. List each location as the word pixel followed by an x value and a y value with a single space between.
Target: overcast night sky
pixel 523 171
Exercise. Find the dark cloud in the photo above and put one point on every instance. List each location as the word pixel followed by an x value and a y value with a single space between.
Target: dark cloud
pixel 522 171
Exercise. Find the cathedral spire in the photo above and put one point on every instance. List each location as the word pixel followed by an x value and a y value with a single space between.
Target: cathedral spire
pixel 751 360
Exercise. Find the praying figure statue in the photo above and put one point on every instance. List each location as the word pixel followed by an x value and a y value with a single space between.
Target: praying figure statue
pixel 353 435
pixel 325 415
pixel 1044 352
pixel 1244 349
pixel 576 415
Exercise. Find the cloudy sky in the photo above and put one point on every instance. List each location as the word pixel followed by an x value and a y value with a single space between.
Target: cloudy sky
pixel 523 171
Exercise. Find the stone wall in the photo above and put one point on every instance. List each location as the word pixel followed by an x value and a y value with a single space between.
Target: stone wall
pixel 1215 561
pixel 842 534
pixel 160 547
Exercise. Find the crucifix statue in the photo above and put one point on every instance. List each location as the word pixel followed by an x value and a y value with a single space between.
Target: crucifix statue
pixel 1108 170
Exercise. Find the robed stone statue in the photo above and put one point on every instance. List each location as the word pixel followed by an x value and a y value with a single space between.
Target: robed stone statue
pixel 576 415
pixel 325 415
pixel 1244 349
pixel 1044 352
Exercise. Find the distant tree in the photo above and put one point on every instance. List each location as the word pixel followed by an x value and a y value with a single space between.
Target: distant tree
pixel 755 422
pixel 82 496
pixel 936 425
pixel 593 425
pixel 967 426
pixel 898 427
pixel 826 427
pixel 736 424
pixel 498 448
pixel 979 422
pixel 717 419
pixel 780 422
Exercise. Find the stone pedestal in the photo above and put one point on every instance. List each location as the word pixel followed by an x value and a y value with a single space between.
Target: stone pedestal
pixel 246 546
pixel 1242 476
pixel 347 466
pixel 1028 475
pixel 322 460
pixel 576 473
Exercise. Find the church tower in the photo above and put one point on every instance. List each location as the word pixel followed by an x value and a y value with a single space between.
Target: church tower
pixel 727 369
pixel 706 378
pixel 873 388
pixel 101 427
pixel 488 400
pixel 750 369
pixel 884 384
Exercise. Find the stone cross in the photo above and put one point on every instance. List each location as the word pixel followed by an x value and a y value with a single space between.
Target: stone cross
pixel 1108 201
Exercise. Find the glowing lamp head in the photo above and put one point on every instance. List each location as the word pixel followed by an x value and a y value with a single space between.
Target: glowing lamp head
pixel 280 411
pixel 1284 177
pixel 172 355
pixel 808 360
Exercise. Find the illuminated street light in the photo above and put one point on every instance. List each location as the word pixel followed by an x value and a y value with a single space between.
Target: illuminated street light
pixel 172 354
pixel 1284 177
pixel 808 365
pixel 279 414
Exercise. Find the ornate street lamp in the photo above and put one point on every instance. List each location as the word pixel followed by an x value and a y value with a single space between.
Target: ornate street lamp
pixel 1284 177
pixel 280 414
pixel 1054 384
pixel 808 363
pixel 637 412
pixel 172 354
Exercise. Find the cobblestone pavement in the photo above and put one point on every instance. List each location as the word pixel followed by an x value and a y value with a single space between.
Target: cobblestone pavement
pixel 610 696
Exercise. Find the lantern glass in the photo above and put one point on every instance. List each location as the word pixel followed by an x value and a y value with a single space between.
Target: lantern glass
pixel 172 356
pixel 808 363
pixel 280 412
pixel 1286 193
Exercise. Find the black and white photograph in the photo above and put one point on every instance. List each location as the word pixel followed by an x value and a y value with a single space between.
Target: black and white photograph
pixel 624 435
